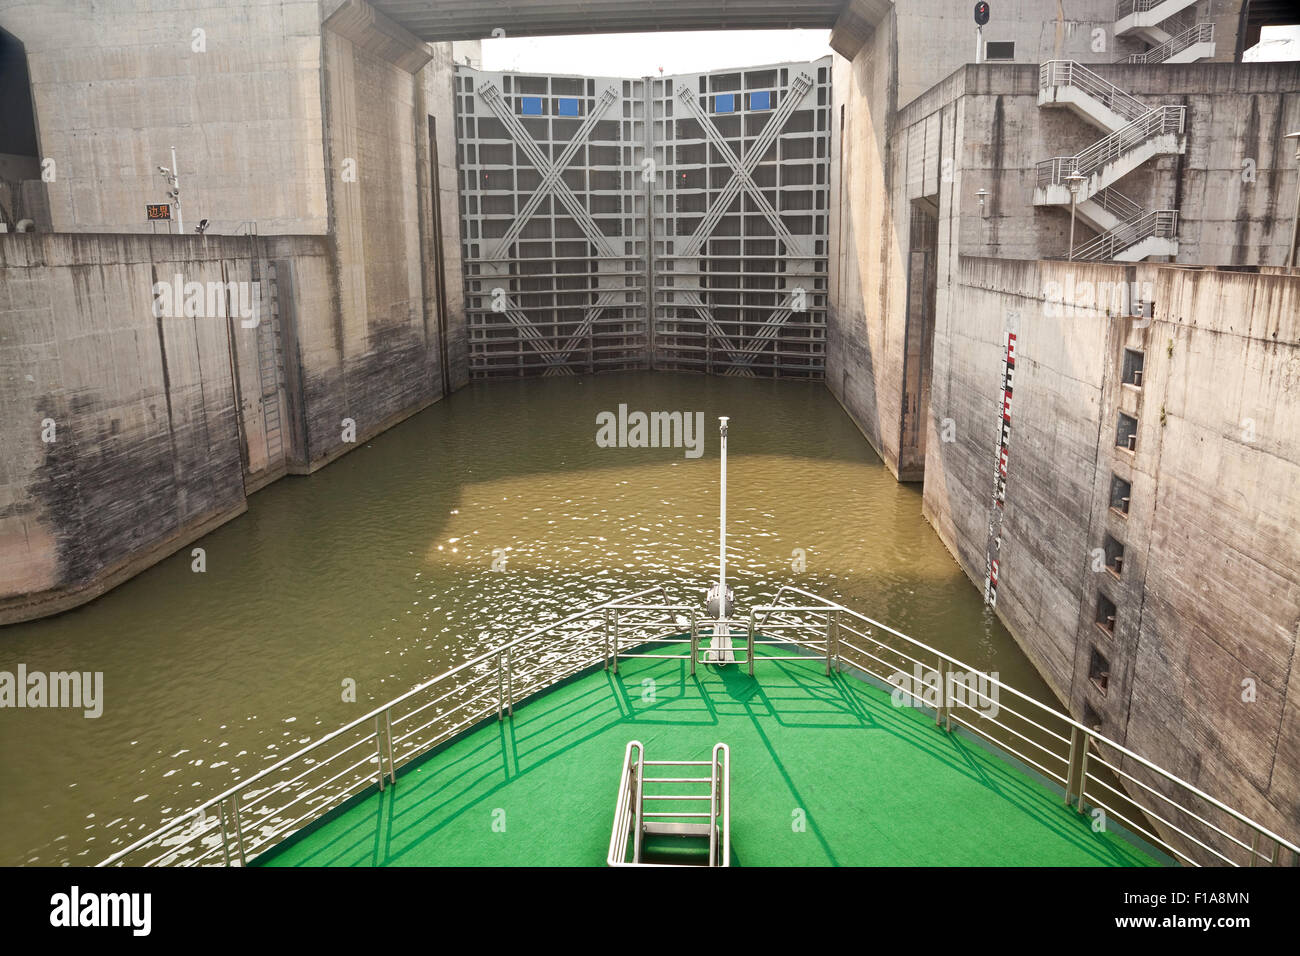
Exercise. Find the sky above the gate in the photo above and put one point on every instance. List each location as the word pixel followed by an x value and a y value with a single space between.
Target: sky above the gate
pixel 643 54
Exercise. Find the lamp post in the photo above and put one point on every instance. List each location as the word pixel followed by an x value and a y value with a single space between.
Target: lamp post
pixel 1295 220
pixel 1075 181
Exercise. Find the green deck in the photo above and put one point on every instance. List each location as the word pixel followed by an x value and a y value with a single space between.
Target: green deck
pixel 876 784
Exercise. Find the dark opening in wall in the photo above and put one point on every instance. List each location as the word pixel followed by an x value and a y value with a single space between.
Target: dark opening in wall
pixel 1126 432
pixel 1099 671
pixel 1105 614
pixel 1114 556
pixel 999 50
pixel 1091 719
pixel 1120 492
pixel 1133 362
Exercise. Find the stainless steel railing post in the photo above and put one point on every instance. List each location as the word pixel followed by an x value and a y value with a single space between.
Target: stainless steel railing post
pixel 379 752
pixel 388 732
pixel 225 842
pixel 695 641
pixel 239 827
pixel 1083 770
pixel 943 695
pixel 749 643
pixel 605 637
pixel 615 642
pixel 501 691
pixel 1073 766
pixel 510 693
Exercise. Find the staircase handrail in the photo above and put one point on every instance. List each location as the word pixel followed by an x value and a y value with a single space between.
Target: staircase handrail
pixel 1162 223
pixel 1071 73
pixel 1200 33
pixel 1158 121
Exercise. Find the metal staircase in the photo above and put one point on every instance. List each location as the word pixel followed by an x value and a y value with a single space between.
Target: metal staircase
pixel 1194 43
pixel 1144 18
pixel 1152 234
pixel 669 834
pixel 1136 133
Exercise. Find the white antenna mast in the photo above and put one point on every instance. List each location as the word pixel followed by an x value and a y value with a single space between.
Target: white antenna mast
pixel 722 527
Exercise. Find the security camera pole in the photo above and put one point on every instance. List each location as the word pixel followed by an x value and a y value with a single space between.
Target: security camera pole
pixel 176 193
pixel 722 529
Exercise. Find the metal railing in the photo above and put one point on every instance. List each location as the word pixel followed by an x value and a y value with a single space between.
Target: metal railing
pixel 1163 223
pixel 256 814
pixel 1200 33
pixel 1158 121
pixel 1070 73
pixel 1117 204
pixel 1202 829
pixel 1128 7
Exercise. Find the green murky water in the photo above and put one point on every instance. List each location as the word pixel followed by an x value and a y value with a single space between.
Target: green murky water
pixel 379 569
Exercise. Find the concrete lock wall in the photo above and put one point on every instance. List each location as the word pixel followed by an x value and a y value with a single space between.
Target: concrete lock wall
pixel 1198 662
pixel 895 171
pixel 364 315
pixel 132 424
pixel 234 88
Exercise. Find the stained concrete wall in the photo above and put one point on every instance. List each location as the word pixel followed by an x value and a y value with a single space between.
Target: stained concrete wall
pixel 1208 596
pixel 115 87
pixel 127 434
pixel 309 120
pixel 935 39
pixel 981 128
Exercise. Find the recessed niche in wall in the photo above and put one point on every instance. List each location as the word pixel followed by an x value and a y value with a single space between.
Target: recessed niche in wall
pixel 1091 719
pixel 1114 552
pixel 1099 671
pixel 1105 614
pixel 1134 361
pixel 1120 491
pixel 1126 432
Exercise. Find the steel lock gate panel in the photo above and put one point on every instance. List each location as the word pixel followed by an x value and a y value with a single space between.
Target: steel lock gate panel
pixel 595 240
pixel 552 222
pixel 741 220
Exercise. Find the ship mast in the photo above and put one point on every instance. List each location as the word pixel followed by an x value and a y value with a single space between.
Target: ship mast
pixel 722 527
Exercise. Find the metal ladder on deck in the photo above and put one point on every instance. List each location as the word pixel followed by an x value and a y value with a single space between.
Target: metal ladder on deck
pixel 633 822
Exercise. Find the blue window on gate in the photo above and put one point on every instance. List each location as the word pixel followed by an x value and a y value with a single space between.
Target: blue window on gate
pixel 530 105
pixel 724 104
pixel 568 106
pixel 760 101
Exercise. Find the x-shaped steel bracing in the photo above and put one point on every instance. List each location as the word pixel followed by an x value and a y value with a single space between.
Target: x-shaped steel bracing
pixel 552 182
pixel 742 179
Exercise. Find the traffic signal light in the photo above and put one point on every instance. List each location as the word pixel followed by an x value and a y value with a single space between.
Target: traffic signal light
pixel 981 13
